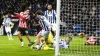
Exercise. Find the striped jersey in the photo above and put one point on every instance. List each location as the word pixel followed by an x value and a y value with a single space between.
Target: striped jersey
pixel 23 19
pixel 7 22
pixel 62 44
pixel 43 22
pixel 51 16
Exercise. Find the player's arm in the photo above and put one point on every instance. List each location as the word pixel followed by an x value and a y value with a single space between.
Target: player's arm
pixel 45 13
pixel 19 16
pixel 55 13
pixel 48 23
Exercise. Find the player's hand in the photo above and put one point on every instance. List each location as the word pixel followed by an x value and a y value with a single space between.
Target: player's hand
pixel 5 22
pixel 12 15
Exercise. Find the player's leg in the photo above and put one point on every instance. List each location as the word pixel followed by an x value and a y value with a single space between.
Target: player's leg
pixel 41 33
pixel 45 34
pixel 28 38
pixel 39 44
pixel 38 40
pixel 50 38
pixel 10 33
pixel 6 29
pixel 53 30
pixel 20 37
pixel 46 47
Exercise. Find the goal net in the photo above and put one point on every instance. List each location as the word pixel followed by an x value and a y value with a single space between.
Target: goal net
pixel 80 20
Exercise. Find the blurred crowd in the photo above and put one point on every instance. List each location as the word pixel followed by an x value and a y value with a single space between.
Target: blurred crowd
pixel 17 6
pixel 81 16
pixel 20 5
pixel 82 13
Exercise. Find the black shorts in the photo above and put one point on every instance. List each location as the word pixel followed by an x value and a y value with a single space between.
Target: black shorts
pixel 23 30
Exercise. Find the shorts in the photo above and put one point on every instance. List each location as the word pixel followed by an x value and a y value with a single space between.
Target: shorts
pixel 23 30
pixel 8 29
pixel 53 28
pixel 44 33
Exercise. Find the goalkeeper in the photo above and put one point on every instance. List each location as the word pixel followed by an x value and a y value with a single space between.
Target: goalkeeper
pixel 63 43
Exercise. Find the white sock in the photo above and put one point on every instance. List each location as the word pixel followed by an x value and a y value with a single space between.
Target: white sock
pixel 11 36
pixel 22 44
pixel 8 36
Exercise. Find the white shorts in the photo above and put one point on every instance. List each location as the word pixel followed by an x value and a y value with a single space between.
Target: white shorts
pixel 53 28
pixel 7 29
pixel 44 33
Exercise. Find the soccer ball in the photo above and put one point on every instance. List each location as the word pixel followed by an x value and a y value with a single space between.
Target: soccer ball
pixel 81 35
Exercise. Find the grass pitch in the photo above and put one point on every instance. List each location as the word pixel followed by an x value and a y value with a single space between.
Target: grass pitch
pixel 77 48
pixel 13 48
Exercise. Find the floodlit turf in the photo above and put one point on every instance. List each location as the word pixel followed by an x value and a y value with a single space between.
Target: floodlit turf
pixel 13 48
pixel 77 48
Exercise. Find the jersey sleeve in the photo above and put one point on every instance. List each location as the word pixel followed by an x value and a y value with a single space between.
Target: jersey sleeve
pixel 45 13
pixel 55 13
pixel 46 20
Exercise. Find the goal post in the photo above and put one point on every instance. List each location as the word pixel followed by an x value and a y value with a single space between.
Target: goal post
pixel 80 21
pixel 57 53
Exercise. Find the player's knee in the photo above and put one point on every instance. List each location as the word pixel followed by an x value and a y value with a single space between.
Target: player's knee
pixel 37 36
pixel 18 33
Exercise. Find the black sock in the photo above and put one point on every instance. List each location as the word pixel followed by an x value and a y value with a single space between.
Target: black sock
pixel 21 40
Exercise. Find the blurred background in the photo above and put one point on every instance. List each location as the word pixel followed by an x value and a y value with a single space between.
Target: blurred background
pixel 79 15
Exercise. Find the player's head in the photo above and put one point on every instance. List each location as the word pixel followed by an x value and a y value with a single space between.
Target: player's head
pixel 27 11
pixel 49 7
pixel 39 12
pixel 5 14
pixel 68 40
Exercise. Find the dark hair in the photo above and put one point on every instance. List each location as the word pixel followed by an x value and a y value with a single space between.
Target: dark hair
pixel 5 13
pixel 26 9
pixel 49 5
pixel 39 12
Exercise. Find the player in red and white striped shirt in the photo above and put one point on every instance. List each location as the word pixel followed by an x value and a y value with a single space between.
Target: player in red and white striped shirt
pixel 24 17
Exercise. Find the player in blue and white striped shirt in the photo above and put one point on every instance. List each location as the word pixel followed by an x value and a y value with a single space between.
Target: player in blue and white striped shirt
pixel 7 23
pixel 45 27
pixel 50 14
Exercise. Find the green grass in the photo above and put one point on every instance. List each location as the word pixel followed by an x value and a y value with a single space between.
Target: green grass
pixel 13 48
pixel 77 48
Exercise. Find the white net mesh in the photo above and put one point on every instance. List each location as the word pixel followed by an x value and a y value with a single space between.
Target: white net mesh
pixel 80 16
